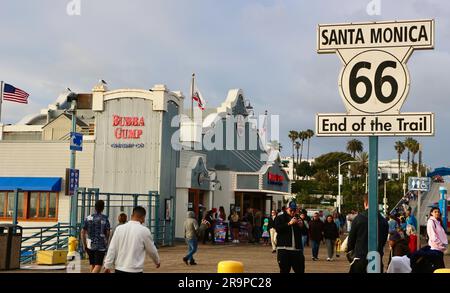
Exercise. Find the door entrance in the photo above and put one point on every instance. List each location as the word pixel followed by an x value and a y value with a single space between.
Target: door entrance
pixel 196 202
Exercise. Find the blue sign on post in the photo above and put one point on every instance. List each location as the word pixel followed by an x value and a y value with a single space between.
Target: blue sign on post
pixel 419 183
pixel 76 141
pixel 73 180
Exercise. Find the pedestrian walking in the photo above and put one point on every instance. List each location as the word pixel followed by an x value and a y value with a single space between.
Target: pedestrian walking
pixel 190 234
pixel 121 219
pixel 410 219
pixel 221 215
pixel 316 234
pixel 412 238
pixel 358 239
pixel 289 244
pixel 250 219
pixel 273 231
pixel 305 229
pixel 257 229
pixel 129 245
pixel 208 226
pixel 438 241
pixel 398 246
pixel 393 225
pixel 330 233
pixel 95 236
pixel 234 223
pixel 265 232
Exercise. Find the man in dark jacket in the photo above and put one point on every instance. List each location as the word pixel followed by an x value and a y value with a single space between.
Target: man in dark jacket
pixel 289 241
pixel 358 239
pixel 316 233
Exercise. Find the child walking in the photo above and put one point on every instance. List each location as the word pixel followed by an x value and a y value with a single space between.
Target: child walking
pixel 265 234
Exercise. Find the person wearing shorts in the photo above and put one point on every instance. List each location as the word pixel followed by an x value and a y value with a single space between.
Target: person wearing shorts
pixel 95 236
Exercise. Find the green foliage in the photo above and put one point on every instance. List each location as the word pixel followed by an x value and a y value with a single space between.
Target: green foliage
pixel 329 162
pixel 305 169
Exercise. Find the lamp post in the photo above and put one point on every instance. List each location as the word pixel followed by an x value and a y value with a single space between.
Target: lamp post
pixel 74 198
pixel 385 205
pixel 340 183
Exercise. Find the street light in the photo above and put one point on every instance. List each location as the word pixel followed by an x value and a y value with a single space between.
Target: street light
pixel 385 205
pixel 340 182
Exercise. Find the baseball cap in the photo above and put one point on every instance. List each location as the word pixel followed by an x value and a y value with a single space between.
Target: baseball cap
pixel 292 205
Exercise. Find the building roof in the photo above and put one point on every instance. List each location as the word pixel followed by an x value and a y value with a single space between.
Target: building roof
pixel 78 122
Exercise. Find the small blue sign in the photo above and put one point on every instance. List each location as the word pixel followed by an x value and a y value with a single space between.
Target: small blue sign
pixel 76 141
pixel 74 178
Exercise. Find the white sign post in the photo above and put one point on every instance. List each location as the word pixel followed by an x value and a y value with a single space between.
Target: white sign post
pixel 374 83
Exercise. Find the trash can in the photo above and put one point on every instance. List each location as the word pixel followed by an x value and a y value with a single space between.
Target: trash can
pixel 10 245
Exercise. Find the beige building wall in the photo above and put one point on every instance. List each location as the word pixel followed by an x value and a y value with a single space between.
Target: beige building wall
pixel 46 159
pixel 58 129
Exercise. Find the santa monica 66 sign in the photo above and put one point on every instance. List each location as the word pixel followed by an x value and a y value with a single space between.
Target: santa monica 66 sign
pixel 374 81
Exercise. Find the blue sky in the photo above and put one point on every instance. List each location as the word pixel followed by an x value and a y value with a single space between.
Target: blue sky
pixel 265 47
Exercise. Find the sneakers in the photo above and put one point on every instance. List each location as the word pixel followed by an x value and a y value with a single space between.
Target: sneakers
pixel 328 259
pixel 314 258
pixel 192 263
pixel 185 260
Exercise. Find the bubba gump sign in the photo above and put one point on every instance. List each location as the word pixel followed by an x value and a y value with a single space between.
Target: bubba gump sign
pixel 128 127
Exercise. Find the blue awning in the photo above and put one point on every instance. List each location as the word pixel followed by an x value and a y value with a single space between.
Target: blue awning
pixel 31 183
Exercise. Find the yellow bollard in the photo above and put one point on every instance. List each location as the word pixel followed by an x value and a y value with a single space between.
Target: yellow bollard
pixel 230 266
pixel 442 271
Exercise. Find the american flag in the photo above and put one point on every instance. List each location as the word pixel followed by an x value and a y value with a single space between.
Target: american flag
pixel 13 94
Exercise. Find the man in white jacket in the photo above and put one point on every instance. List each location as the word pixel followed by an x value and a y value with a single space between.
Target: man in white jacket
pixel 129 245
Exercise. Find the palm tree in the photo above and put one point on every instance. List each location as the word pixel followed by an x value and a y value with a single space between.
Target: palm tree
pixel 363 163
pixel 310 135
pixel 414 149
pixel 293 135
pixel 302 135
pixel 354 146
pixel 400 148
pixel 409 141
pixel 297 147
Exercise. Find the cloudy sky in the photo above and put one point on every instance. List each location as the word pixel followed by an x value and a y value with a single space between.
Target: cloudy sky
pixel 265 47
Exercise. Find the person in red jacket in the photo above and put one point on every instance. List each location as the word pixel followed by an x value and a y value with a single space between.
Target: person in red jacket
pixel 412 242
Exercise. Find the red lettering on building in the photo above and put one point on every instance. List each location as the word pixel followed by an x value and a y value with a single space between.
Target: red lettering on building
pixel 127 133
pixel 275 178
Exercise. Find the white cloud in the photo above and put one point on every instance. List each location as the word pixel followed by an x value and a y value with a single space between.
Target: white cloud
pixel 265 47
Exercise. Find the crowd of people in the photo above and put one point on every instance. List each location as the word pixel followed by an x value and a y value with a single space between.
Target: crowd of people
pixel 287 231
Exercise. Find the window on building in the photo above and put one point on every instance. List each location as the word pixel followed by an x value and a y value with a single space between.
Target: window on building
pixel 36 205
pixel 10 206
pixel 2 204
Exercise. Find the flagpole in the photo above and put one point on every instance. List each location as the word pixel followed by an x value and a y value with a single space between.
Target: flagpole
pixel 1 100
pixel 192 109
pixel 192 96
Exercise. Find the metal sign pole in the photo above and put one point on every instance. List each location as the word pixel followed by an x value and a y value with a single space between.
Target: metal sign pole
pixel 419 202
pixel 339 187
pixel 373 200
pixel 73 199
